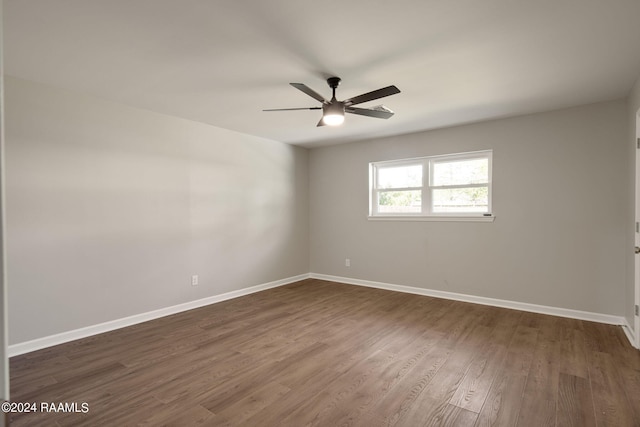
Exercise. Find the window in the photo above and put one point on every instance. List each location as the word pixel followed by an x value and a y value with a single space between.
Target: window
pixel 454 185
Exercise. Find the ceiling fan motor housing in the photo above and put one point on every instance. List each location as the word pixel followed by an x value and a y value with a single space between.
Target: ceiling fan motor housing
pixel 335 107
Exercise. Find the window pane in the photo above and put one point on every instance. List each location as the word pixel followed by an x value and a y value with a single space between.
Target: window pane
pixel 474 199
pixel 474 171
pixel 400 176
pixel 400 201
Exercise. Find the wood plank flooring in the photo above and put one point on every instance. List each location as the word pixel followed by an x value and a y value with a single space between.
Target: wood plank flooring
pixel 316 353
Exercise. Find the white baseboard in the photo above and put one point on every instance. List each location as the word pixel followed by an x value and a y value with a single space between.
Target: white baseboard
pixel 40 343
pixel 542 309
pixel 628 331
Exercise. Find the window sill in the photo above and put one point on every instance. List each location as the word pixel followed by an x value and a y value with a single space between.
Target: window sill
pixel 434 218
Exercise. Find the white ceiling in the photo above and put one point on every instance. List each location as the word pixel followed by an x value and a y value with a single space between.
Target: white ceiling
pixel 222 61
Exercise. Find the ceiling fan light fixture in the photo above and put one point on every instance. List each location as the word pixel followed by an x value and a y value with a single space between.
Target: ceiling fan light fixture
pixel 333 114
pixel 333 119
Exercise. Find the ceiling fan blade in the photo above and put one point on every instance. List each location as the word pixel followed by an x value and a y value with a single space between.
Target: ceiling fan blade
pixel 293 109
pixel 306 89
pixel 369 96
pixel 321 123
pixel 379 114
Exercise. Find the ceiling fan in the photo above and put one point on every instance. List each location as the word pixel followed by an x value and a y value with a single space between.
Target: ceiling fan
pixel 333 110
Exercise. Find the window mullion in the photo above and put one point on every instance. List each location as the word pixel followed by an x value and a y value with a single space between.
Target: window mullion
pixel 445 187
pixel 399 189
pixel 426 189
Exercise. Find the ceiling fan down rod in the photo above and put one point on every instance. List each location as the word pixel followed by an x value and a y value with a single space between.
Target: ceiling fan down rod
pixel 333 83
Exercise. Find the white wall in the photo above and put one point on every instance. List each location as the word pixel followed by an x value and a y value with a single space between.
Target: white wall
pixel 560 197
pixel 111 209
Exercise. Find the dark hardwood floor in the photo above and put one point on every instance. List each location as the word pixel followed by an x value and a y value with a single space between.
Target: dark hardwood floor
pixel 316 353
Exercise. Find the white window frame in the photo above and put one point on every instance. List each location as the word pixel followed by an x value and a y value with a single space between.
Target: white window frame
pixel 427 189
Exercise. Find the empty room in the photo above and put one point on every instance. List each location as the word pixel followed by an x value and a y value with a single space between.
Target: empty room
pixel 295 213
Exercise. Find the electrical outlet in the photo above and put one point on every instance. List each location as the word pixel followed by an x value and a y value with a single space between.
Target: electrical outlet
pixel 347 262
pixel 194 280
